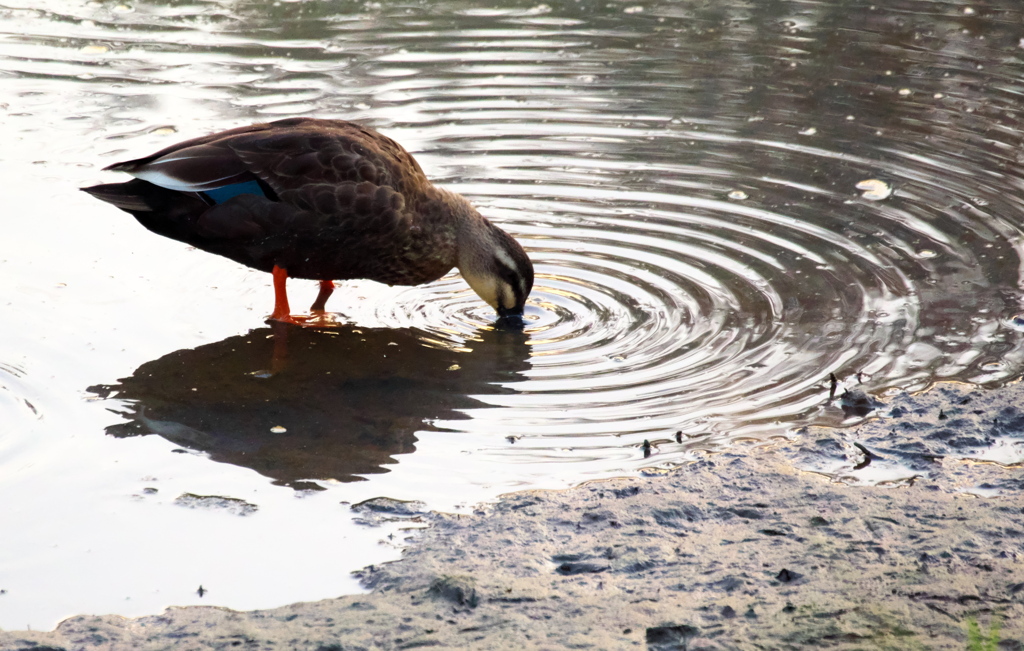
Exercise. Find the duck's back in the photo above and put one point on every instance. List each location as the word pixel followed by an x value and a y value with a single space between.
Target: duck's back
pixel 323 198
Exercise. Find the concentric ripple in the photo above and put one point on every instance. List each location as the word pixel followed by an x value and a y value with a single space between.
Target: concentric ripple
pixel 655 312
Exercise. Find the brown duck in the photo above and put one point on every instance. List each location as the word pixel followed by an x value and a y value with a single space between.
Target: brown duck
pixel 320 199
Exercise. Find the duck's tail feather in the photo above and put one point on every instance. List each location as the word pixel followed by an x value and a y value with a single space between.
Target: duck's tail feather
pixel 133 196
pixel 167 212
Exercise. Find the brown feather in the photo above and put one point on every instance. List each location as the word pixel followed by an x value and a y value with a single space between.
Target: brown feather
pixel 341 201
pixel 345 194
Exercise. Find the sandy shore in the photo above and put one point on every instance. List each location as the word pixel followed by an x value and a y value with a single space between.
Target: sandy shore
pixel 756 548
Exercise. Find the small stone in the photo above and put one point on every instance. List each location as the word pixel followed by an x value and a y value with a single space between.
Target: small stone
pixel 460 590
pixel 576 567
pixel 673 636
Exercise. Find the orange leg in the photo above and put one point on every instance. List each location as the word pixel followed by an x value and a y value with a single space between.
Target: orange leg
pixel 280 357
pixel 326 289
pixel 281 310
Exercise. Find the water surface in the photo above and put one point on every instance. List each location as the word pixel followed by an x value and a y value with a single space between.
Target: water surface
pixel 726 202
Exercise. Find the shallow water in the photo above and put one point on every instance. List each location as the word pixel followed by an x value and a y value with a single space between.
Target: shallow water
pixel 725 202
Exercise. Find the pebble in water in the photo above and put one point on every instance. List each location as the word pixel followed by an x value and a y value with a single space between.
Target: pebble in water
pixel 874 189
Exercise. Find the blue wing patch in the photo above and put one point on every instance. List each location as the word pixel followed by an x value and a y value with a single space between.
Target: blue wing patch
pixel 222 194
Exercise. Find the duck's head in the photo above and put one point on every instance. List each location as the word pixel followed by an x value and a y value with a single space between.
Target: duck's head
pixel 496 267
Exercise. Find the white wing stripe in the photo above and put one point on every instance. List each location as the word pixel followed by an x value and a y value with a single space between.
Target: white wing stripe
pixel 156 177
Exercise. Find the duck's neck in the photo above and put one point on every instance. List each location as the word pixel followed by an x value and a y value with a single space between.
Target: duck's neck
pixel 474 247
pixel 472 236
pixel 460 221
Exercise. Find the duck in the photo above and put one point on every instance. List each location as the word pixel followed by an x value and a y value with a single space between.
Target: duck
pixel 323 200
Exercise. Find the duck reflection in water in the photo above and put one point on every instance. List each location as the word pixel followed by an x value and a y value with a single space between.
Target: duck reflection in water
pixel 349 400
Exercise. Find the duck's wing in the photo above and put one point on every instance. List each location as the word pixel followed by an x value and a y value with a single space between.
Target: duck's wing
pixel 194 165
pixel 320 231
pixel 284 155
pixel 313 209
pixel 302 194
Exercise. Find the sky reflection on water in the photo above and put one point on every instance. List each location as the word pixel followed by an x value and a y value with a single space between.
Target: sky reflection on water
pixel 685 176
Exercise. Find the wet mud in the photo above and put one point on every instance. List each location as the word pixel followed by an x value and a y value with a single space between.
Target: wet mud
pixel 759 547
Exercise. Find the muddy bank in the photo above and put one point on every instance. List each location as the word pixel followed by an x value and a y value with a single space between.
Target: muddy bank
pixel 751 549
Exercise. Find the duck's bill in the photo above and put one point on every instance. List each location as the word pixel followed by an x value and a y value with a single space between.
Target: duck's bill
pixel 511 318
